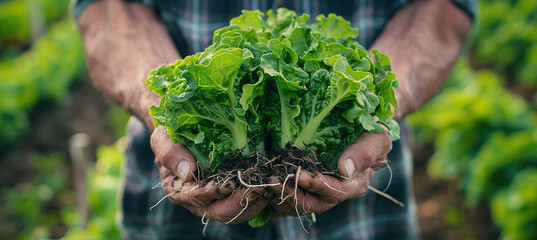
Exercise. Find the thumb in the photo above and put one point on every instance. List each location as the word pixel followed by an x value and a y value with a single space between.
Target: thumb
pixel 369 150
pixel 171 157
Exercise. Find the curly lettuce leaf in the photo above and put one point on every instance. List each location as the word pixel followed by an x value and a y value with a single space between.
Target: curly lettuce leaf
pixel 275 76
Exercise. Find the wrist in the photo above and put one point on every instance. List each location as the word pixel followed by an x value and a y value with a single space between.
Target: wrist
pixel 406 103
pixel 123 42
pixel 140 108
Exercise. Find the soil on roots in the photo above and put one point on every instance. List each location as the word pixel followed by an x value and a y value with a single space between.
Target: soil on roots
pixel 256 169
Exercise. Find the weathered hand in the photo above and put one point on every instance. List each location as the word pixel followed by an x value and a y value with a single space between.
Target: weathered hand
pixel 177 169
pixel 317 192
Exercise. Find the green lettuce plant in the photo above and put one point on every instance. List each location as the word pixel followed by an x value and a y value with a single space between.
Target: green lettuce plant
pixel 269 81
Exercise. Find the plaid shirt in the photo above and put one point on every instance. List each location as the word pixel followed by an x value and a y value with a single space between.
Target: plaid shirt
pixel 191 24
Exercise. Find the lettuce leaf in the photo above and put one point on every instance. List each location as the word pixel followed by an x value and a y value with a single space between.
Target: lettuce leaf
pixel 267 81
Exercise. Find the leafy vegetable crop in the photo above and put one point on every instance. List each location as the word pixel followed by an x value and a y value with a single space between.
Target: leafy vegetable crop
pixel 485 136
pixel 507 29
pixel 42 73
pixel 267 82
pixel 22 21
pixel 515 208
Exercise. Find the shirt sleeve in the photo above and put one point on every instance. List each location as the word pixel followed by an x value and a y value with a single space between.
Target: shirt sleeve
pixel 468 6
pixel 80 5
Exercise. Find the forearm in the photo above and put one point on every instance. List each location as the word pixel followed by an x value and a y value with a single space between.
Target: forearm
pixel 423 40
pixel 123 42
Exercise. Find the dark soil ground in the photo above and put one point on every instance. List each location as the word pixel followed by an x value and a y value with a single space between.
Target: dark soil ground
pixel 442 212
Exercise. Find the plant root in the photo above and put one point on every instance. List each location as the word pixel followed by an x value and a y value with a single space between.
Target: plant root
pixel 245 172
pixel 271 160
pixel 192 189
pixel 224 183
pixel 284 182
pixel 296 200
pixel 285 198
pixel 391 175
pixel 328 185
pixel 252 186
pixel 386 196
pixel 162 199
pixel 158 185
pixel 194 176
pixel 308 202
pixel 244 194
pixel 233 219
pixel 304 211
pixel 296 180
pixel 205 223
pixel 198 172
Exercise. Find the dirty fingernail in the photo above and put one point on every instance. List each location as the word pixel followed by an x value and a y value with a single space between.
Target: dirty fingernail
pixel 183 169
pixel 349 167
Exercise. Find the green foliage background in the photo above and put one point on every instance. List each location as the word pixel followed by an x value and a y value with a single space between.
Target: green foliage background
pixel 482 125
pixel 505 39
pixel 103 181
pixel 41 57
pixel 484 134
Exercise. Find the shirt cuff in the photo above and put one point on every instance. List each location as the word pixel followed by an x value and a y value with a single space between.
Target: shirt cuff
pixel 468 6
pixel 80 5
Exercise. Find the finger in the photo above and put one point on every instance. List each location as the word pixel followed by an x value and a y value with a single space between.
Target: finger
pixel 283 194
pixel 288 207
pixel 192 194
pixel 327 188
pixel 299 202
pixel 368 151
pixel 357 187
pixel 332 190
pixel 243 205
pixel 285 190
pixel 281 209
pixel 172 157
pixel 277 189
pixel 293 200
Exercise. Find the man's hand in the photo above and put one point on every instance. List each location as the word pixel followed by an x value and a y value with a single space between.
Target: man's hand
pixel 317 192
pixel 177 169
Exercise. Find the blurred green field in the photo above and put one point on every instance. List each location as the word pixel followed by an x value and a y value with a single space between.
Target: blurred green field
pixel 45 97
pixel 479 133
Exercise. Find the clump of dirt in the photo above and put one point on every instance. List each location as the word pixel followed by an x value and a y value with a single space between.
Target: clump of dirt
pixel 256 170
